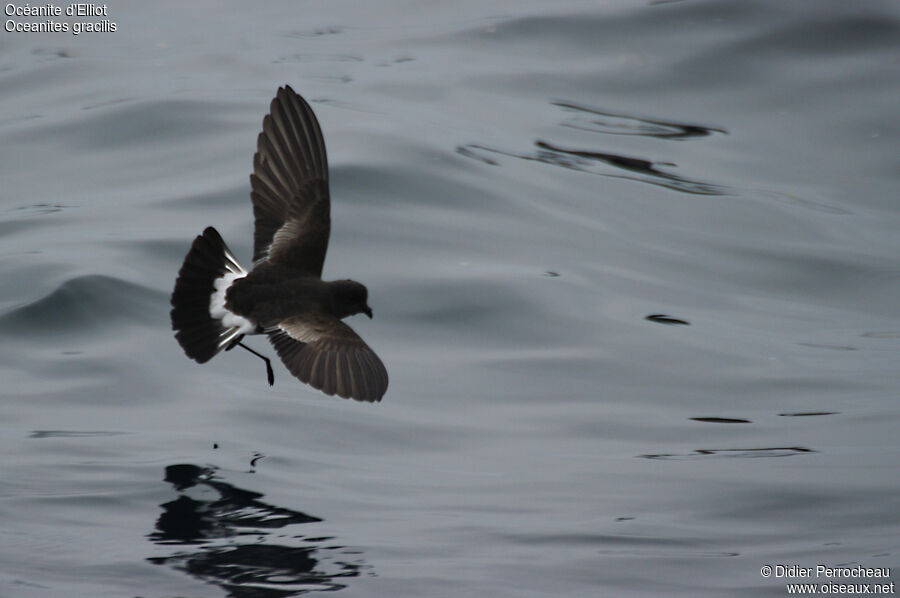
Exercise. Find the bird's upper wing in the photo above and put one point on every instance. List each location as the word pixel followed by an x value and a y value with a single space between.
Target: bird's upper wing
pixel 326 353
pixel 290 187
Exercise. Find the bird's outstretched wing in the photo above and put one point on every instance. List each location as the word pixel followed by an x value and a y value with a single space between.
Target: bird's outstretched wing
pixel 327 354
pixel 290 187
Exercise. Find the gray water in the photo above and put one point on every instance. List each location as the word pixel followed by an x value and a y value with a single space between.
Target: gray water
pixel 520 185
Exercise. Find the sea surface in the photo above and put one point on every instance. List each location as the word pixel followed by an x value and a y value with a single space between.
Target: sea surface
pixel 635 269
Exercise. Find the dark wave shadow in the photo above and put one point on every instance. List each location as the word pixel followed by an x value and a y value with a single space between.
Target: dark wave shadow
pixel 667 319
pixel 733 453
pixel 720 420
pixel 607 163
pixel 615 165
pixel 613 123
pixel 23 218
pixel 35 210
pixel 72 433
pixel 249 548
pixel 807 413
pixel 593 162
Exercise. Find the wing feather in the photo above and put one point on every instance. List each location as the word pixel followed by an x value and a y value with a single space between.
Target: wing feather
pixel 291 203
pixel 327 354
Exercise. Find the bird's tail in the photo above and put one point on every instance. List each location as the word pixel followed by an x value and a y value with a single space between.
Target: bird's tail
pixel 202 325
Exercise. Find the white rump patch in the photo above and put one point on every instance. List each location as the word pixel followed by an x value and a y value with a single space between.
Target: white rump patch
pixel 217 310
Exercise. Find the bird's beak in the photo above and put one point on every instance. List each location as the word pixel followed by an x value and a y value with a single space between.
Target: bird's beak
pixel 368 311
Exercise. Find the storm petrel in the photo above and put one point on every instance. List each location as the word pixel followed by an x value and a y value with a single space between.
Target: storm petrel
pixel 216 301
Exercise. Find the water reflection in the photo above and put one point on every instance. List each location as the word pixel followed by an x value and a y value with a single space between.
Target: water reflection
pixel 233 544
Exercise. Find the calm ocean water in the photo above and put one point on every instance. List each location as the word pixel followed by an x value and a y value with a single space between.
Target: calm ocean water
pixel 635 269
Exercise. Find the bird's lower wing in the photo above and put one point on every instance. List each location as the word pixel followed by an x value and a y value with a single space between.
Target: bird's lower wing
pixel 327 354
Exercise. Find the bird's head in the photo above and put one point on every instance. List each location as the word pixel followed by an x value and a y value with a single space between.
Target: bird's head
pixel 350 297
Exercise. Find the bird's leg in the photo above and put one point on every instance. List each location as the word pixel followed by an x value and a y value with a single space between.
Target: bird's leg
pixel 269 372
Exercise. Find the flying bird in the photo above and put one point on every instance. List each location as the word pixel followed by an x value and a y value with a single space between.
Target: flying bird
pixel 216 301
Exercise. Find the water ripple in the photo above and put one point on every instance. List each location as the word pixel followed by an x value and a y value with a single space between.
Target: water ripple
pixel 597 162
pixel 732 453
pixel 612 123
pixel 72 433
pixel 85 303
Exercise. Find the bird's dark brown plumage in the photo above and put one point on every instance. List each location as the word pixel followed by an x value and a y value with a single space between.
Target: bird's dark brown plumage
pixel 283 296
